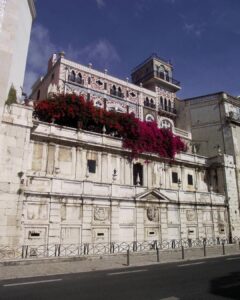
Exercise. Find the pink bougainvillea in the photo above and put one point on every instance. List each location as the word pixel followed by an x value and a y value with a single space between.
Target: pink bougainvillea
pixel 138 136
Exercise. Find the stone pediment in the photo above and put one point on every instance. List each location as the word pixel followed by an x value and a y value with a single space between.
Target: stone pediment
pixel 153 195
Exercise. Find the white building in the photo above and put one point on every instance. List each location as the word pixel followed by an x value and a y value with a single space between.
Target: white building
pixel 16 18
pixel 69 186
pixel 61 185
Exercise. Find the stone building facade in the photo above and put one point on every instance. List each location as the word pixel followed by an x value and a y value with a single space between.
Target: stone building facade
pixel 69 186
pixel 214 121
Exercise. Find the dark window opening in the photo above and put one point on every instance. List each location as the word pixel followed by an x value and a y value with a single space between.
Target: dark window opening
pixel 174 177
pixel 133 94
pixel 89 80
pixel 99 82
pixel 137 174
pixel 72 76
pixel 91 166
pixel 33 234
pixel 147 102
pixel 165 104
pixel 100 234
pixel 169 105
pixel 120 94
pixel 79 78
pixel 113 90
pixel 190 179
pixel 152 104
pixel 161 102
pixel 52 77
pixel 105 85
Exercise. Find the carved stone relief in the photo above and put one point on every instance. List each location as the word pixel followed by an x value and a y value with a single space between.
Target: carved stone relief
pixel 101 213
pixel 152 214
pixel 191 216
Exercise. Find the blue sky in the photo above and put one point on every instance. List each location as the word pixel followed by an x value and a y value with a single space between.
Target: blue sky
pixel 200 37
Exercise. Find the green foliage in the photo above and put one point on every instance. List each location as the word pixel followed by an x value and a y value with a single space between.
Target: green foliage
pixel 12 96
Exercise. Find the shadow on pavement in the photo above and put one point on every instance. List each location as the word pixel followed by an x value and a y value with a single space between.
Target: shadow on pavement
pixel 227 286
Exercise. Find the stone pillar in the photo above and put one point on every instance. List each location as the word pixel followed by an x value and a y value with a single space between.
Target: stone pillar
pixel 115 222
pixel 163 220
pixel 54 221
pixel 74 160
pixel 104 167
pixel 78 163
pixel 87 221
pixel 84 170
pixel 140 210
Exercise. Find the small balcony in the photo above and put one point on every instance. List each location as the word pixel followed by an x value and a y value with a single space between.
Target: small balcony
pixel 75 79
pixel 149 104
pixel 167 110
pixel 160 76
pixel 116 93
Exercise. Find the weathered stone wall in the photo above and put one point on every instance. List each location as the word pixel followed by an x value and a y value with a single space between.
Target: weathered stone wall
pixel 49 195
pixel 14 153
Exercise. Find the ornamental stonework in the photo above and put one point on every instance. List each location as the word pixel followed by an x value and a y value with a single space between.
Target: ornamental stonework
pixel 191 216
pixel 152 214
pixel 101 213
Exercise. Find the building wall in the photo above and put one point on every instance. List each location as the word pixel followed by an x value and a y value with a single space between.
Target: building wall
pixel 49 196
pixel 15 27
pixel 14 148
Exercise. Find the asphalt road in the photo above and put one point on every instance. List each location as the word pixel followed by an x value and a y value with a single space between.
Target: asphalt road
pixel 216 278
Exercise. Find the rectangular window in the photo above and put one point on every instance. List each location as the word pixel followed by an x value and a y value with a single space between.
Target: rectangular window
pixel 105 85
pixel 174 177
pixel 137 174
pixel 91 166
pixel 190 179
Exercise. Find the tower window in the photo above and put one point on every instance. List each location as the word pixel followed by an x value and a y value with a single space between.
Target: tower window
pixel 91 164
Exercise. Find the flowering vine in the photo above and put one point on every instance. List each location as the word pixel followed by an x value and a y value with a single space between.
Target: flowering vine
pixel 138 136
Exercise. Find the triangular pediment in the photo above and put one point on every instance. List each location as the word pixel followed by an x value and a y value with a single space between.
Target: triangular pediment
pixel 153 195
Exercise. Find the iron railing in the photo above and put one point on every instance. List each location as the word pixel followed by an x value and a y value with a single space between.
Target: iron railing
pixel 84 249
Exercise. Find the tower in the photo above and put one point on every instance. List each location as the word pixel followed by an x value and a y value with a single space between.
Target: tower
pixel 155 72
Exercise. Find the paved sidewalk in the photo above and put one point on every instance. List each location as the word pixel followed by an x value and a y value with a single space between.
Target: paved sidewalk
pixel 48 266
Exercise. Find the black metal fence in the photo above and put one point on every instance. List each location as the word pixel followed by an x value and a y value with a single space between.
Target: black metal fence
pixel 84 249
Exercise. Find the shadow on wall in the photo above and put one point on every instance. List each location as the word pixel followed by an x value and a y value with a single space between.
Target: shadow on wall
pixel 227 287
